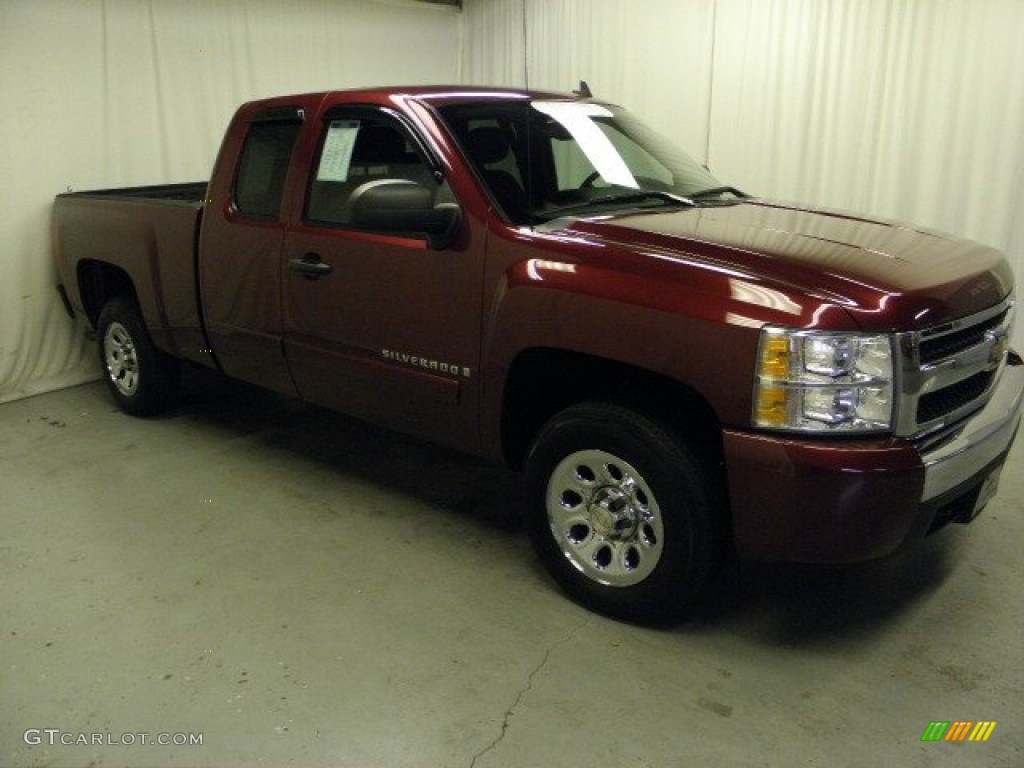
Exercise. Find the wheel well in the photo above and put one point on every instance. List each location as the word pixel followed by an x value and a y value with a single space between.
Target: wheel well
pixel 542 382
pixel 99 283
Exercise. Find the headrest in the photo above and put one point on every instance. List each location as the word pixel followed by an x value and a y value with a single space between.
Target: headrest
pixel 379 144
pixel 488 144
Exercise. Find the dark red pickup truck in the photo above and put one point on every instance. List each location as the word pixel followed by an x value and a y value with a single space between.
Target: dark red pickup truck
pixel 679 368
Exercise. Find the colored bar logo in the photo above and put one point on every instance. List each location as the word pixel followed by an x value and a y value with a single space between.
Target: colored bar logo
pixel 958 730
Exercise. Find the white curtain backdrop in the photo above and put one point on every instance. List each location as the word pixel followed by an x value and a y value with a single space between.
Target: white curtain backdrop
pixel 108 93
pixel 654 55
pixel 493 43
pixel 911 109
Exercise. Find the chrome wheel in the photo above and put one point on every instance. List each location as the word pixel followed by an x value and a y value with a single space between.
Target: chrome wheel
pixel 121 360
pixel 620 511
pixel 142 379
pixel 605 518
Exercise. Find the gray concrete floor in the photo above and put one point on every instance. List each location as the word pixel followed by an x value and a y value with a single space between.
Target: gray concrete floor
pixel 301 589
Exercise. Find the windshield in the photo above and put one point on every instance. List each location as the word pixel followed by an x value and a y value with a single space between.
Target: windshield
pixel 545 159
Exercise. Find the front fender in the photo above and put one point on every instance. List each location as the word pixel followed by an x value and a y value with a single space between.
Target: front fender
pixel 622 318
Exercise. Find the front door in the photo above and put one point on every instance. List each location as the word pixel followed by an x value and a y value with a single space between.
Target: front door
pixel 377 325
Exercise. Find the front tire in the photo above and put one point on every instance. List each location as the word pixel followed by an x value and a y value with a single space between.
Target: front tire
pixel 621 512
pixel 142 379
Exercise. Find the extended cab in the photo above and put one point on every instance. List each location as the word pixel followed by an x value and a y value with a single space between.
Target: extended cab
pixel 679 368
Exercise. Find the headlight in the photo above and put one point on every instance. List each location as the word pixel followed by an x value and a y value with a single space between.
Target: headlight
pixel 823 382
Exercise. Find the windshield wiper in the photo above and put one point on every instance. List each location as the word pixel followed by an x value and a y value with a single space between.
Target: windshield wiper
pixel 626 199
pixel 716 191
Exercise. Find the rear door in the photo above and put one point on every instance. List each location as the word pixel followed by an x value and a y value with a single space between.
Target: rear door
pixel 240 250
pixel 377 325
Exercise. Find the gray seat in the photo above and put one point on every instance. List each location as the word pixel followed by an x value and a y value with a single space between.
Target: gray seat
pixel 489 146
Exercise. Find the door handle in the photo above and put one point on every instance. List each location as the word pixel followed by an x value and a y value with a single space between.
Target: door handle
pixel 310 266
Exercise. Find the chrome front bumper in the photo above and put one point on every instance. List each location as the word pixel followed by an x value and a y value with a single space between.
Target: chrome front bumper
pixel 980 440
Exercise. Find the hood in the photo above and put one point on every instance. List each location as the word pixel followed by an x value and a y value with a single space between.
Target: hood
pixel 889 276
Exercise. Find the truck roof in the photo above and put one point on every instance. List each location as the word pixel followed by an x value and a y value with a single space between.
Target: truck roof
pixel 436 94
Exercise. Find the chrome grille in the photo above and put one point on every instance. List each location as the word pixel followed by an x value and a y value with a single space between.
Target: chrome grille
pixel 935 405
pixel 939 347
pixel 949 371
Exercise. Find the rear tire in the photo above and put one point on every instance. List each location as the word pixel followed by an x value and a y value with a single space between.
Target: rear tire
pixel 621 512
pixel 142 379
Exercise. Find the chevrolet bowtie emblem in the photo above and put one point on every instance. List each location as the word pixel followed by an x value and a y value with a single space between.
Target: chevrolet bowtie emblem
pixel 1000 341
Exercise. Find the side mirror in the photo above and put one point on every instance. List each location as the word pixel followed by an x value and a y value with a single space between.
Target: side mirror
pixel 400 206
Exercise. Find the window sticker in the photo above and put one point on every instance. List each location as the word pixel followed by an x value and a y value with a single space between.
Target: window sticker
pixel 337 155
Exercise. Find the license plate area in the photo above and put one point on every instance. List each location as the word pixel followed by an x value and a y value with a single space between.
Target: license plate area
pixel 987 490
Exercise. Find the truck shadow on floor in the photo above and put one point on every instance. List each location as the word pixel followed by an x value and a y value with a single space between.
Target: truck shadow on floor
pixel 778 604
pixel 436 475
pixel 819 605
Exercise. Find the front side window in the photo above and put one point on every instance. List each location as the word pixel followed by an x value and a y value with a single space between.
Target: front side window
pixel 263 166
pixel 356 150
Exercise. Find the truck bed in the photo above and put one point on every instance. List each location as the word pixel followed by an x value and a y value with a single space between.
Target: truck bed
pixel 147 231
pixel 188 192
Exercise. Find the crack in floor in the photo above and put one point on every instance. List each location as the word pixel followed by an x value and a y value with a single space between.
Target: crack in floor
pixel 506 720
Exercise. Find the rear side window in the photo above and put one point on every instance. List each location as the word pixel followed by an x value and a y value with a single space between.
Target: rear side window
pixel 263 166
